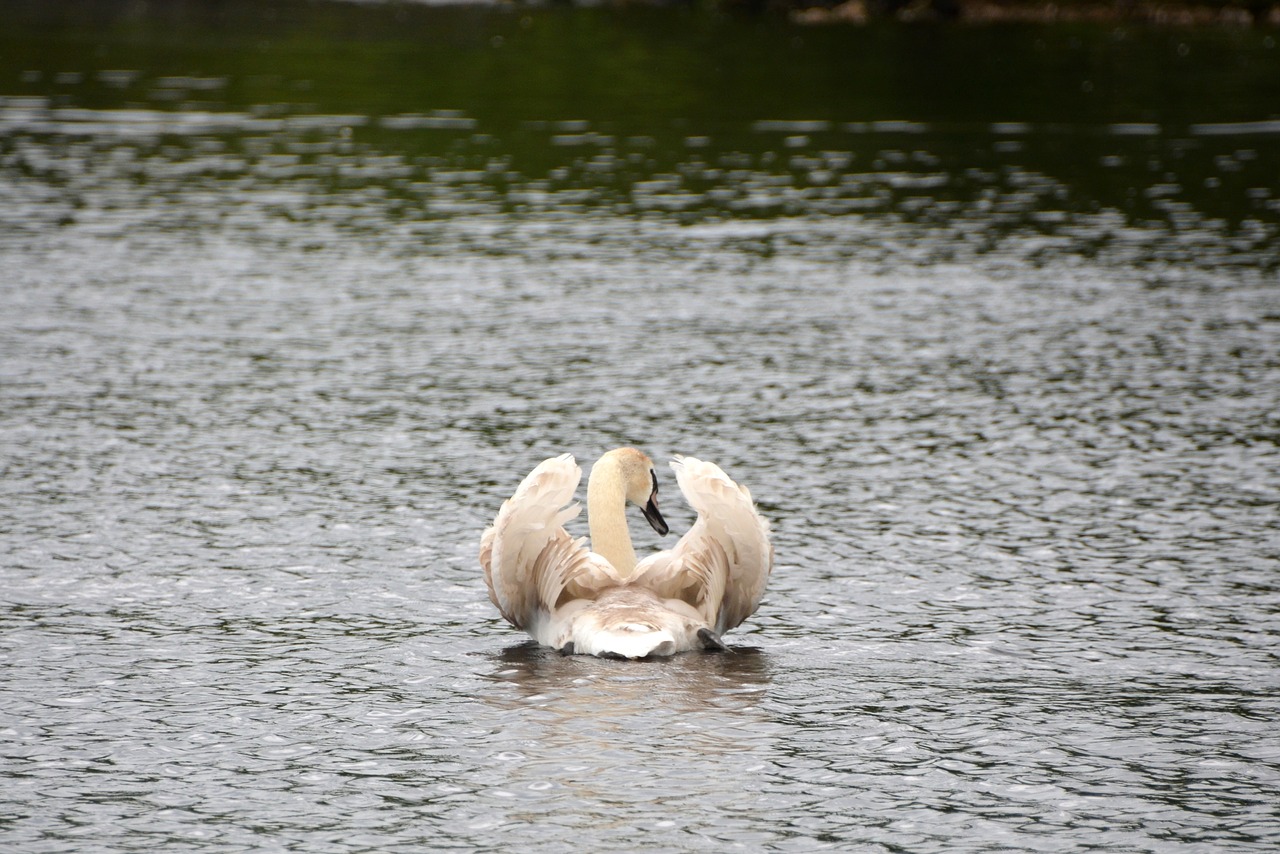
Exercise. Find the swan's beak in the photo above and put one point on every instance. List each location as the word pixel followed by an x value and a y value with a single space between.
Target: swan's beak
pixel 650 511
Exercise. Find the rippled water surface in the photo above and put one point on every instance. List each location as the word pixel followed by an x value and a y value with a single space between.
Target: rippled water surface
pixel 290 307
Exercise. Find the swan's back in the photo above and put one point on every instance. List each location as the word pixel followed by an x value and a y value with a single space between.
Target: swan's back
pixel 631 622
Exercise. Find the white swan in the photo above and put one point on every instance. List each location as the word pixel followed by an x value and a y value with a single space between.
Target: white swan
pixel 600 601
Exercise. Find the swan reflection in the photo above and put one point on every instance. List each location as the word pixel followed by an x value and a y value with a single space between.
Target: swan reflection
pixel 581 685
pixel 603 731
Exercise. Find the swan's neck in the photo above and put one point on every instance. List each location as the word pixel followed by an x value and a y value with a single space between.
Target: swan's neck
pixel 607 516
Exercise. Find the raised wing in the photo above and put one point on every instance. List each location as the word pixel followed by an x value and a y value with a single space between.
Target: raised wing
pixel 530 562
pixel 721 566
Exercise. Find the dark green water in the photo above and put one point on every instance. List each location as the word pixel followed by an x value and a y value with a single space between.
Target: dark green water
pixel 1153 123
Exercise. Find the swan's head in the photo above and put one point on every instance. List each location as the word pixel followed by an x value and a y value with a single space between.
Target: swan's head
pixel 640 483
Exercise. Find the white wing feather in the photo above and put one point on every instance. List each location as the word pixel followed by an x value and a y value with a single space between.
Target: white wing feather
pixel 530 562
pixel 722 564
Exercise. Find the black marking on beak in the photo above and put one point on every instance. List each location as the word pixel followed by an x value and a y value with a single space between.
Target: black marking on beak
pixel 650 509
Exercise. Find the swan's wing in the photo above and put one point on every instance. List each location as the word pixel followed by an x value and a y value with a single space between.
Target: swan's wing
pixel 722 564
pixel 530 562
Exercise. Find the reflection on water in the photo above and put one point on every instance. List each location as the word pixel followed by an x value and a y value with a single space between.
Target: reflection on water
pixel 296 292
pixel 581 725
pixel 1204 195
pixel 693 682
pixel 432 113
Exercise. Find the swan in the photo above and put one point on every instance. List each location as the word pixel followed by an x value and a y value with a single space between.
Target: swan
pixel 600 600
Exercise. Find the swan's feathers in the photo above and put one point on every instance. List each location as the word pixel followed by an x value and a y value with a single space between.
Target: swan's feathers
pixel 722 564
pixel 550 584
pixel 530 562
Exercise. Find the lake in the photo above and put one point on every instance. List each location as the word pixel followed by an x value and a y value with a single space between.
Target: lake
pixel 986 317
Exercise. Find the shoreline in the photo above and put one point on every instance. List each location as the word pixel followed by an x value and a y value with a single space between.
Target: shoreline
pixel 1119 12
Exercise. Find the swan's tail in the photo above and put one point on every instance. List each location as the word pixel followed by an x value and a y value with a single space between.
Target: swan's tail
pixel 627 641
pixel 633 623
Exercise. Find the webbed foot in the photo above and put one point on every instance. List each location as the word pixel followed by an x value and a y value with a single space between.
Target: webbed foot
pixel 711 640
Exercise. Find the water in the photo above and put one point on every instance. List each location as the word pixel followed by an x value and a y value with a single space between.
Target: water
pixel 280 336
